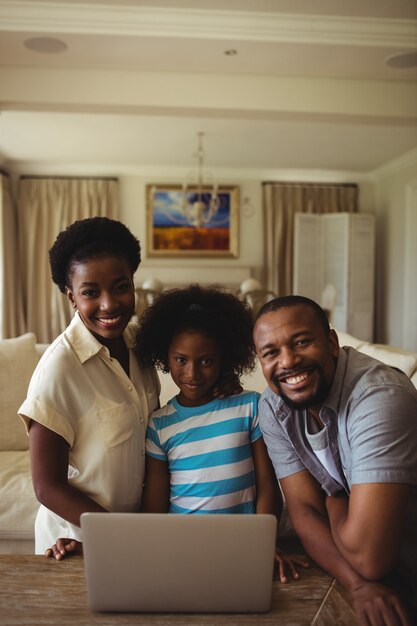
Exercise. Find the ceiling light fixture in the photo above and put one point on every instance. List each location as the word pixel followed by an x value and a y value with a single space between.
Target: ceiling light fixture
pixel 45 45
pixel 403 60
pixel 200 200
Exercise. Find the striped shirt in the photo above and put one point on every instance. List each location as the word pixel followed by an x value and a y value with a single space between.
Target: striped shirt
pixel 209 454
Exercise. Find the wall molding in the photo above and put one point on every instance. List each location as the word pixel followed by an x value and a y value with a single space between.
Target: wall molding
pixel 23 15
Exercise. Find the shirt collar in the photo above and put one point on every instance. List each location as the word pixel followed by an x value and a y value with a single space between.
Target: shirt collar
pixel 333 399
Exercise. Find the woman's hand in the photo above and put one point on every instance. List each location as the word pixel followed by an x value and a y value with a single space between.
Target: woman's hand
pixel 64 547
pixel 288 562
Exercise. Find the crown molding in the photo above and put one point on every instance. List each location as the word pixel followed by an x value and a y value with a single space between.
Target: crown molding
pixel 224 176
pixel 49 17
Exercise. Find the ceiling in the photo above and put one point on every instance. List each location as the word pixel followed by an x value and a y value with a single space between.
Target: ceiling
pixel 308 86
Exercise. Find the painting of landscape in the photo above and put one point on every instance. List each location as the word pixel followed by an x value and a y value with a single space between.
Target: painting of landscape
pixel 194 223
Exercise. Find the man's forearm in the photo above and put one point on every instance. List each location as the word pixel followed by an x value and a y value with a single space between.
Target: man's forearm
pixel 372 600
pixel 367 534
pixel 337 510
pixel 313 528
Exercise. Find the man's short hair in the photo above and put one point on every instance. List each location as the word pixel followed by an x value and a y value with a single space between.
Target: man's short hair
pixel 290 301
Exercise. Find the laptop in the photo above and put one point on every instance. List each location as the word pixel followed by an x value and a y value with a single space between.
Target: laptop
pixel 166 563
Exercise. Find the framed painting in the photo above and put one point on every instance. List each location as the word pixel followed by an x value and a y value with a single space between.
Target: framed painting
pixel 195 222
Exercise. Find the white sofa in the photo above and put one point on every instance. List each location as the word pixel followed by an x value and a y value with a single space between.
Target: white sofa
pixel 19 356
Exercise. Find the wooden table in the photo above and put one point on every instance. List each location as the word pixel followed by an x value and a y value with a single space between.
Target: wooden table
pixel 36 590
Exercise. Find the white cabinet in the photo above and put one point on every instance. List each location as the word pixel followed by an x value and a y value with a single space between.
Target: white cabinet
pixel 338 249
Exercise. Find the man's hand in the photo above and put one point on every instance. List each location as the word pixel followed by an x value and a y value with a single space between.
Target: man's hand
pixel 378 605
pixel 64 547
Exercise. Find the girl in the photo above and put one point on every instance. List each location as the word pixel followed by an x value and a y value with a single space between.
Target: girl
pixel 204 454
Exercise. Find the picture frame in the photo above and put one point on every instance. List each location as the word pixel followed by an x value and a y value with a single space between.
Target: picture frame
pixel 193 222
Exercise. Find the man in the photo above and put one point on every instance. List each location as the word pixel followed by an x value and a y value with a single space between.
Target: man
pixel 341 431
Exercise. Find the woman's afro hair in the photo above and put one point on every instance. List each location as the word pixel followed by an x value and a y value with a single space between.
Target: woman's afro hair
pixel 210 310
pixel 89 238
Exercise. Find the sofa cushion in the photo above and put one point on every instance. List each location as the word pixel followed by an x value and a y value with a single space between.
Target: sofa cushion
pixel 348 340
pixel 18 359
pixel 18 502
pixel 405 361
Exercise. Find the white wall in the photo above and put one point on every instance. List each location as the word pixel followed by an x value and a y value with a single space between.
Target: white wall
pixel 228 270
pixel 250 259
pixel 395 218
pixel 384 194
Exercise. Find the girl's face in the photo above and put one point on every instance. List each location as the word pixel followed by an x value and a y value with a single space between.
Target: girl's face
pixel 194 362
pixel 103 293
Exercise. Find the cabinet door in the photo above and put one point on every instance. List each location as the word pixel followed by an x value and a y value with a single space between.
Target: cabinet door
pixel 335 243
pixel 338 249
pixel 361 277
pixel 307 268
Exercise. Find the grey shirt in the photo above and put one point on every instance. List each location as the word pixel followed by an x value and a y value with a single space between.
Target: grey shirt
pixel 371 419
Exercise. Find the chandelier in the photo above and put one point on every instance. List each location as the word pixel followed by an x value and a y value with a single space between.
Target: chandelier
pixel 200 200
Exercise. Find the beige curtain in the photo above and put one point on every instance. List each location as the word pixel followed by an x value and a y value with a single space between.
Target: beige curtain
pixel 280 202
pixel 46 206
pixel 11 310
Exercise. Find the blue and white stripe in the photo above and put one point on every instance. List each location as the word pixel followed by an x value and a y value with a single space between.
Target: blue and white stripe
pixel 209 454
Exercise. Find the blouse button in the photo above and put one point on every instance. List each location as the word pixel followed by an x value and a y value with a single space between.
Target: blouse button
pixel 129 388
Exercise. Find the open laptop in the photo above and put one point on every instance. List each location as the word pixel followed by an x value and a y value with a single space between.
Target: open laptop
pixel 179 563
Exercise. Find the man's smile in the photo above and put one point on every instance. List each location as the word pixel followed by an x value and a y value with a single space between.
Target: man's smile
pixel 295 377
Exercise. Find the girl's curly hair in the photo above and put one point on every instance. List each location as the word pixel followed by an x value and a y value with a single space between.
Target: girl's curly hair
pixel 210 310
pixel 89 238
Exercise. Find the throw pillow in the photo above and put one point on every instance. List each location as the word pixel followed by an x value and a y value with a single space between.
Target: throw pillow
pixel 405 361
pixel 18 358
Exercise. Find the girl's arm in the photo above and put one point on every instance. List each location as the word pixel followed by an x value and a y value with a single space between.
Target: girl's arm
pixel 155 497
pixel 269 500
pixel 268 493
pixel 49 458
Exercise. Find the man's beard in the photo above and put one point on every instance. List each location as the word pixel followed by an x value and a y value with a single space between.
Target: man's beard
pixel 316 399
